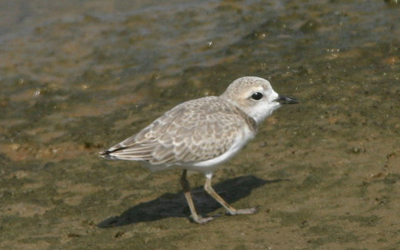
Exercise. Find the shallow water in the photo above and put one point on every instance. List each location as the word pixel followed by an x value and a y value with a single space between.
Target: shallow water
pixel 78 77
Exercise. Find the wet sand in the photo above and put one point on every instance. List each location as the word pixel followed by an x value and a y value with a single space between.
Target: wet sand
pixel 77 78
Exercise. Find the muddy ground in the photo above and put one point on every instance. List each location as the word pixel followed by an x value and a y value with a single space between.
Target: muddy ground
pixel 77 78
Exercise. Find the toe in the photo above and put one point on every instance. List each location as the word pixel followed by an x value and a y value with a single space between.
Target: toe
pixel 252 210
pixel 203 220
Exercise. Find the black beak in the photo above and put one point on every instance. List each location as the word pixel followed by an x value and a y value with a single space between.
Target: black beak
pixel 286 100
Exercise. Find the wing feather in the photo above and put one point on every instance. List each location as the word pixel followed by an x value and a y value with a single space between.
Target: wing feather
pixel 194 131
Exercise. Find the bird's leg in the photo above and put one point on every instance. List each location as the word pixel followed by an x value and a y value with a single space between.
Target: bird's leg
pixel 186 189
pixel 231 210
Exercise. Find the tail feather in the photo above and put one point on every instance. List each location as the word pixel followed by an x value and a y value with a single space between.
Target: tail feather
pixel 131 153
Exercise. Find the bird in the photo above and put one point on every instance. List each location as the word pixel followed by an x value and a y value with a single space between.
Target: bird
pixel 200 134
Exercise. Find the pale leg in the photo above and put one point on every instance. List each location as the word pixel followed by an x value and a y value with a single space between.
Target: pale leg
pixel 231 210
pixel 186 189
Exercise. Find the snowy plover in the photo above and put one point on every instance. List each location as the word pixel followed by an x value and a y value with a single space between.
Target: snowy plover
pixel 202 133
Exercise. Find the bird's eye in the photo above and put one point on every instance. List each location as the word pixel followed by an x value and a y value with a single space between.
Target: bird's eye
pixel 257 96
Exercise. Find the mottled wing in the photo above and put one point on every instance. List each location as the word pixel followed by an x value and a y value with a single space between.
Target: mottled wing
pixel 191 132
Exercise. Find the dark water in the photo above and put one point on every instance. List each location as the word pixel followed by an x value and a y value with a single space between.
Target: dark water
pixel 79 76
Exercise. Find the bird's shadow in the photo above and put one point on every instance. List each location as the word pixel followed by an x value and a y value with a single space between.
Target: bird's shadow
pixel 174 204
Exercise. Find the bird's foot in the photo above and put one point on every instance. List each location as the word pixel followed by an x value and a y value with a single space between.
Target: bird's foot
pixel 252 210
pixel 201 220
